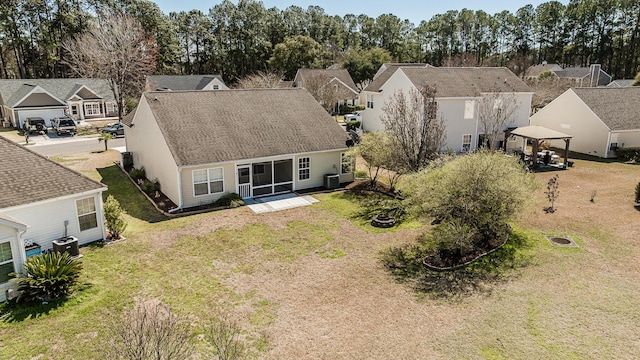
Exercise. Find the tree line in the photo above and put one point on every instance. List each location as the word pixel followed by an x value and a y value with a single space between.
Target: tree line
pixel 240 39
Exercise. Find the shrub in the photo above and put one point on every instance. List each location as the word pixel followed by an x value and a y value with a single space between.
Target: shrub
pixel 231 200
pixel 631 154
pixel 114 217
pixel 353 125
pixel 348 109
pixel 638 193
pixel 150 187
pixel 137 174
pixel 48 276
pixel 472 196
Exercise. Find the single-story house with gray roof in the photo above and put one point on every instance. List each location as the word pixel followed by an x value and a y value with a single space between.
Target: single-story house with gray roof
pixel 41 201
pixel 201 145
pixel 185 82
pixel 599 119
pixel 458 94
pixel 82 99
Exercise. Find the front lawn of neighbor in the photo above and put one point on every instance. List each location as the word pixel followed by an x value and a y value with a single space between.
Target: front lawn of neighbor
pixel 308 283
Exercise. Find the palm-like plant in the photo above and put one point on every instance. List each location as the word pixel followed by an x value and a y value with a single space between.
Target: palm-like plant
pixel 48 276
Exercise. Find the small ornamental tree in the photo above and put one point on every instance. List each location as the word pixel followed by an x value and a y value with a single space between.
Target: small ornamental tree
pixel 114 217
pixel 471 199
pixel 552 193
pixel 105 137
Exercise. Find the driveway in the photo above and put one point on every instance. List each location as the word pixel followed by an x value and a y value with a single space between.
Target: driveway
pixel 51 144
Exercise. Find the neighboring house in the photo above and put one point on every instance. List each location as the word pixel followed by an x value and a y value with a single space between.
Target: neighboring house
pixel 185 82
pixel 83 99
pixel 201 145
pixel 575 76
pixel 621 83
pixel 372 93
pixel 600 119
pixel 40 202
pixel 458 92
pixel 342 88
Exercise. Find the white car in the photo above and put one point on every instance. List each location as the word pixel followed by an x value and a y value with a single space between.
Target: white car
pixel 355 116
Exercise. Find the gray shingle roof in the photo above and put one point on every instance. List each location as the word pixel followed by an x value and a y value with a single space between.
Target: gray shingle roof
pixel 616 107
pixel 466 81
pixel 391 68
pixel 27 177
pixel 204 127
pixel 13 90
pixel 180 82
pixel 535 70
pixel 341 74
pixel 621 83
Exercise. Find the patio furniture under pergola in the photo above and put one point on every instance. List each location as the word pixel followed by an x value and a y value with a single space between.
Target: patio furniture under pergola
pixel 541 133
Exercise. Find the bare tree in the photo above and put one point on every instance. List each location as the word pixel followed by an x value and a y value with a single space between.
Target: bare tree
pixel 117 50
pixel 495 111
pixel 260 80
pixel 326 91
pixel 416 131
pixel 150 331
pixel 224 335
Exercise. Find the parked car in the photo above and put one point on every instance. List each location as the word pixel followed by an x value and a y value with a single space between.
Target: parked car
pixel 64 125
pixel 34 125
pixel 115 130
pixel 357 116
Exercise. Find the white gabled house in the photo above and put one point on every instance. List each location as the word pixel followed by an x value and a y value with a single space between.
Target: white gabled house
pixel 185 82
pixel 601 120
pixel 83 99
pixel 42 201
pixel 458 94
pixel 201 145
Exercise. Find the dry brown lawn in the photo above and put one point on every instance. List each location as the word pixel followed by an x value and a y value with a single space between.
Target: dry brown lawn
pixel 564 303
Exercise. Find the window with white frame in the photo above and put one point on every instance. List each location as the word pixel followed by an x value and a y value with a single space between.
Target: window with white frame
pixel 370 101
pixel 91 108
pixel 6 262
pixel 87 215
pixel 216 87
pixel 208 181
pixel 469 107
pixel 346 163
pixel 111 107
pixel 304 168
pixel 466 143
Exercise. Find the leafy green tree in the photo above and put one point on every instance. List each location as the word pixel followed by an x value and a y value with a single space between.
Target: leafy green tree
pixel 48 276
pixel 363 64
pixel 295 53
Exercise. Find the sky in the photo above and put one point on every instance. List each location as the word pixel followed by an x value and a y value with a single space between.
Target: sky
pixel 414 10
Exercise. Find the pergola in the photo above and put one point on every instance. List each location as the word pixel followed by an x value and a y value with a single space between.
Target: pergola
pixel 541 133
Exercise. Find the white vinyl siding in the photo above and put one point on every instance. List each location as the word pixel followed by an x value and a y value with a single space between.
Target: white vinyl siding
pixel 6 262
pixel 208 181
pixel 304 168
pixel 87 216
pixel 469 107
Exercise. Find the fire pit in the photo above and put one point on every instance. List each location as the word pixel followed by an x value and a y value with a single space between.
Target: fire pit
pixel 383 221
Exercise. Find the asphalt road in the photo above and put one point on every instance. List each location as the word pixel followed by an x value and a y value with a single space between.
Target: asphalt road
pixel 72 145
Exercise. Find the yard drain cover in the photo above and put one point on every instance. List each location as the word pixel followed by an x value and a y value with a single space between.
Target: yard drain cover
pixel 561 241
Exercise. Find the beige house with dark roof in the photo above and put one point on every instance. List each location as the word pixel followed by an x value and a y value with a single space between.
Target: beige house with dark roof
pixel 459 91
pixel 201 145
pixel 600 119
pixel 41 201
pixel 340 80
pixel 83 99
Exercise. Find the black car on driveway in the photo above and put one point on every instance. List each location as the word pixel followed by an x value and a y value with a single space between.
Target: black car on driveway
pixel 115 130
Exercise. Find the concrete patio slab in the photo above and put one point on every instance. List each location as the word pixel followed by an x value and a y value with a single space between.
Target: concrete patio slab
pixel 279 202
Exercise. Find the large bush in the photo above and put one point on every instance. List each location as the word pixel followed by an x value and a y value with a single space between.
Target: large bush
pixel 48 276
pixel 114 217
pixel 471 199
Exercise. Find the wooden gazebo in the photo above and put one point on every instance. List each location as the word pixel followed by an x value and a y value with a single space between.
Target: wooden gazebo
pixel 541 133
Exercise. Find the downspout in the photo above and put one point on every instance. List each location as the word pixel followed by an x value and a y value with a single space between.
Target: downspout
pixel 179 173
pixel 608 145
pixel 102 225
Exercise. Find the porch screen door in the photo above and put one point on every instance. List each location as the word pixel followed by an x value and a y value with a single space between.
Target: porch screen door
pixel 244 182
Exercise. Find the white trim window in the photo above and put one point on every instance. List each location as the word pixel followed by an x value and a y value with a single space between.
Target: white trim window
pixel 346 163
pixel 216 87
pixel 370 101
pixel 87 215
pixel 111 108
pixel 304 168
pixel 92 108
pixel 466 142
pixel 6 262
pixel 469 107
pixel 208 181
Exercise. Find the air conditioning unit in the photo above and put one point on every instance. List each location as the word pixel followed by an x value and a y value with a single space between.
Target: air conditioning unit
pixel 68 244
pixel 331 181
